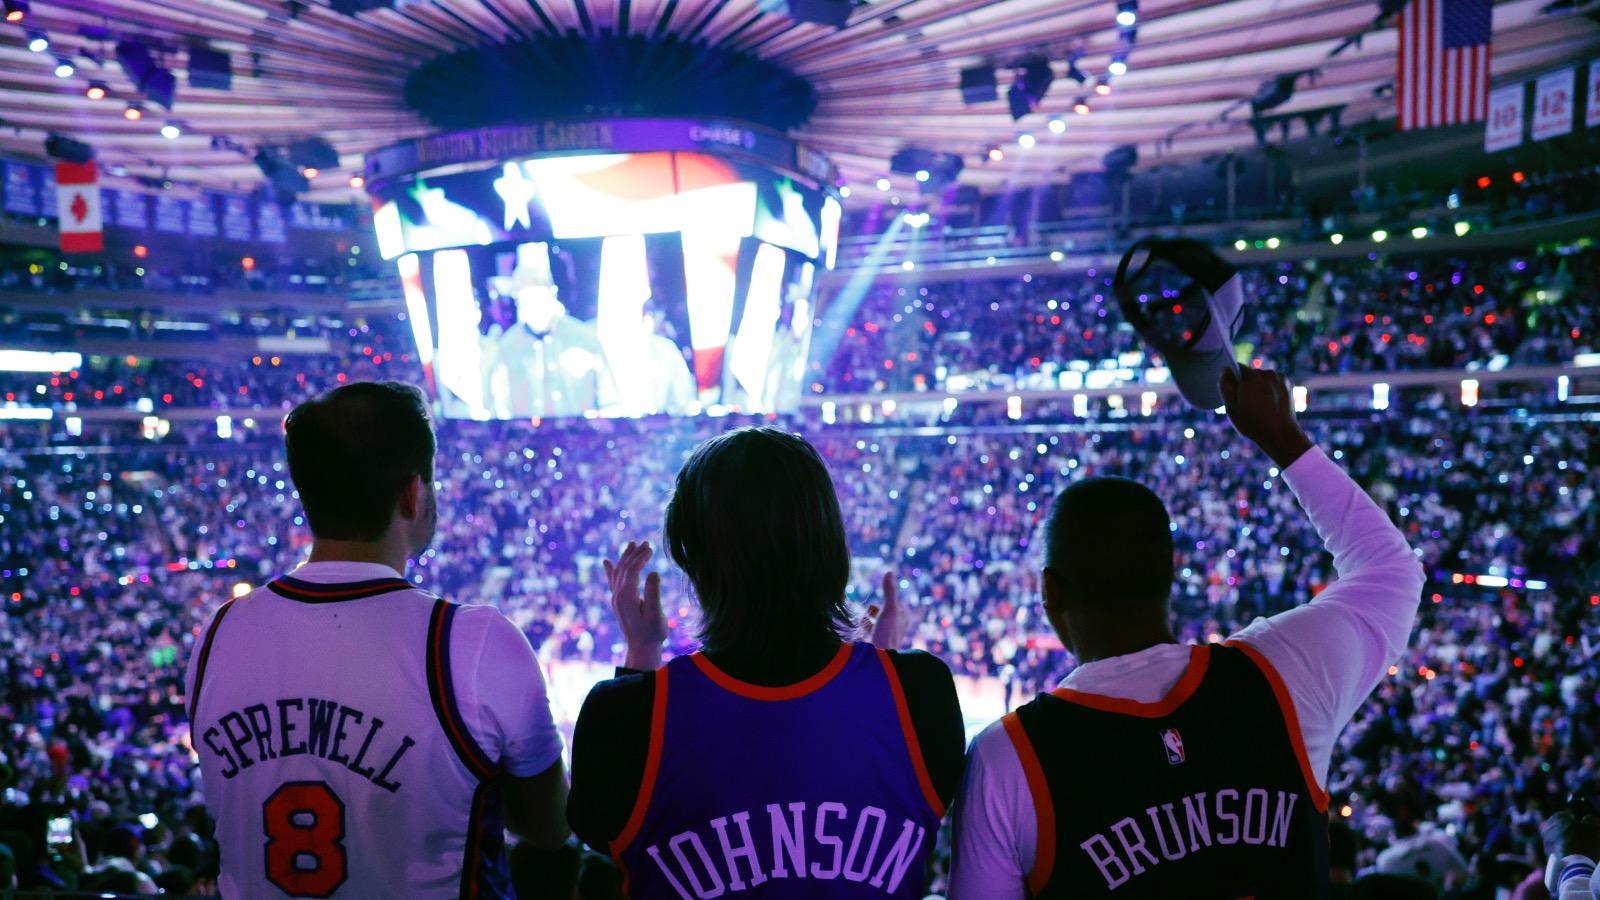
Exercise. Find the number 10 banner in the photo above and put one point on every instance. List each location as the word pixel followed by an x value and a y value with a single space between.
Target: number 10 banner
pixel 1505 118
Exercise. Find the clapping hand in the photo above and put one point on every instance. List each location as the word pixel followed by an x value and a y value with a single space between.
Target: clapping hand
pixel 643 623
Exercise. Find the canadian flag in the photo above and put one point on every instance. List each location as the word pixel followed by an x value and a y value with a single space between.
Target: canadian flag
pixel 78 204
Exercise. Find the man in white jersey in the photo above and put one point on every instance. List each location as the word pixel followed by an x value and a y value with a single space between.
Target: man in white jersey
pixel 1321 659
pixel 359 737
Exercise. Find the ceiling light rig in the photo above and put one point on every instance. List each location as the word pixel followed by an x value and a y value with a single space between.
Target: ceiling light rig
pixel 38 41
pixel 1128 13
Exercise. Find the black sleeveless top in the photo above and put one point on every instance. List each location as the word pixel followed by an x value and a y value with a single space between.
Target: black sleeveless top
pixel 1206 794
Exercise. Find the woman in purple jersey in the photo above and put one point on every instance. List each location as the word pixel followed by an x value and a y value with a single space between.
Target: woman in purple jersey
pixel 781 760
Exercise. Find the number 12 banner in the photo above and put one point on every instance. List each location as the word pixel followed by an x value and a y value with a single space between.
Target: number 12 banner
pixel 1553 98
pixel 1505 118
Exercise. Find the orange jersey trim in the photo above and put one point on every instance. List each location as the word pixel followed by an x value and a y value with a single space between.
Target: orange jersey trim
pixel 914 745
pixel 1199 661
pixel 1044 848
pixel 788 692
pixel 1319 797
pixel 652 768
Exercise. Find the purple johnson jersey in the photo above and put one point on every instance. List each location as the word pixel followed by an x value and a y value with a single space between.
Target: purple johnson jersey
pixel 808 791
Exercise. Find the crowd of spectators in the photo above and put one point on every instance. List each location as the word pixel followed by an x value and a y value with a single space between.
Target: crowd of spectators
pixel 1365 314
pixel 1485 723
pixel 42 273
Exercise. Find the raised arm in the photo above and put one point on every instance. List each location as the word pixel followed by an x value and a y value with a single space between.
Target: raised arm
pixel 1332 651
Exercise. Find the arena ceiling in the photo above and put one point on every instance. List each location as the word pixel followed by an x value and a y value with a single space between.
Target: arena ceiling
pixel 886 80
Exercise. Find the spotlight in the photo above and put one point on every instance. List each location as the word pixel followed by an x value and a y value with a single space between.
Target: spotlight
pixel 1082 106
pixel 133 113
pixel 95 91
pixel 844 189
pixel 171 130
pixel 1240 244
pixel 310 171
pixel 883 184
pixel 1380 236
pixel 1102 87
pixel 1026 140
pixel 1336 238
pixel 1119 66
pixel 922 175
pixel 1419 232
pixel 1127 12
pixel 38 42
pixel 1462 228
pixel 1057 126
pixel 996 154
pixel 64 67
pixel 16 10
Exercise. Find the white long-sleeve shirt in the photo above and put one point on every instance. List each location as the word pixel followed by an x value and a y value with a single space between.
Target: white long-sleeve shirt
pixel 1330 654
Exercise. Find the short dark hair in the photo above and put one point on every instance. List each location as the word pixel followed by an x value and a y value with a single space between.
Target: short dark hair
pixel 352 451
pixel 755 523
pixel 1110 540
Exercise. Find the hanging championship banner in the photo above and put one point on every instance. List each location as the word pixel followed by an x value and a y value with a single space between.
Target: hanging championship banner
pixel 1552 105
pixel 1504 130
pixel 78 207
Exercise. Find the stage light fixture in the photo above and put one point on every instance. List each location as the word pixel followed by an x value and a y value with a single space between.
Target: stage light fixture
pixel 1035 76
pixel 158 84
pixel 1075 73
pixel 64 67
pixel 38 41
pixel 1127 12
pixel 16 10
pixel 1081 107
pixel 922 175
pixel 1336 238
pixel 1057 126
pixel 996 154
pixel 1026 140
pixel 978 85
pixel 356 181
pixel 310 172
pixel 884 184
pixel 171 131
pixel 210 68
pixel 1380 236
pixel 133 113
pixel 1102 87
pixel 844 190
pixel 314 153
pixel 1119 66
pixel 67 150
pixel 1018 103
pixel 95 91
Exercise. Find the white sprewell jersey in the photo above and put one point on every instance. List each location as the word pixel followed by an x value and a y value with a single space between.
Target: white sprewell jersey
pixel 335 756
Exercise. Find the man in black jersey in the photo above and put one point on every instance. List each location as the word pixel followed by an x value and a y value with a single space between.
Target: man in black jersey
pixel 1160 770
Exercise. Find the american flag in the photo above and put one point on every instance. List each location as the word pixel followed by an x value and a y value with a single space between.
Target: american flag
pixel 1444 62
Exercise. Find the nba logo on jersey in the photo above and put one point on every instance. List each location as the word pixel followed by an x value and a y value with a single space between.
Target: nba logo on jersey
pixel 1173 742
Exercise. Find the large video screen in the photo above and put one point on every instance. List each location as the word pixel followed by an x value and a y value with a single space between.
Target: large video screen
pixel 610 285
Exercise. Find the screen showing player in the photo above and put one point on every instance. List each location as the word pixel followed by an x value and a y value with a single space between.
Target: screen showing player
pixel 610 285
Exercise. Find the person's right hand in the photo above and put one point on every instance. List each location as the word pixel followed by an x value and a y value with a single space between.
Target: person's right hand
pixel 1260 407
pixel 643 623
pixel 1565 834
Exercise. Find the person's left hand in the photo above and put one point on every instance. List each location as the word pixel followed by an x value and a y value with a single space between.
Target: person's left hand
pixel 1565 834
pixel 641 618
pixel 888 627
